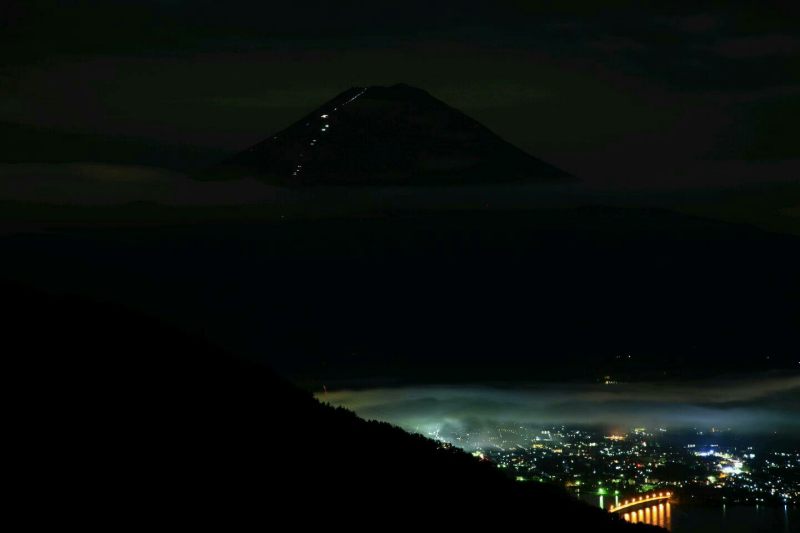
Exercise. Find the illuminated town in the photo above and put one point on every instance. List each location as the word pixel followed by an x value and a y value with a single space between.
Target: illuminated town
pixel 611 469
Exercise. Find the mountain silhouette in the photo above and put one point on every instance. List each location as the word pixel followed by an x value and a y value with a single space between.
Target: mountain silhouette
pixel 119 419
pixel 397 135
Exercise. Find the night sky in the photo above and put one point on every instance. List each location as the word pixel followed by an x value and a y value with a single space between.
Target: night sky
pixel 562 235
pixel 614 93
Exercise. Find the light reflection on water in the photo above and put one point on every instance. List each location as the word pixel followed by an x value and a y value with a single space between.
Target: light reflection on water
pixel 655 515
pixel 711 519
pixel 723 519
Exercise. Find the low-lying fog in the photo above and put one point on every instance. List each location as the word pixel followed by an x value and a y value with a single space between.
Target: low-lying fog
pixel 764 405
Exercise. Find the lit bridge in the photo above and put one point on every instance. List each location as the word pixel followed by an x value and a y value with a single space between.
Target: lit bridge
pixel 653 508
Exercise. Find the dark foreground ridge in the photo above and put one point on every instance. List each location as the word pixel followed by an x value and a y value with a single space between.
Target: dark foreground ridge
pixel 122 420
pixel 397 135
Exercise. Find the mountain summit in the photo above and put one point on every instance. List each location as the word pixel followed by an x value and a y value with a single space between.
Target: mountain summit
pixel 397 135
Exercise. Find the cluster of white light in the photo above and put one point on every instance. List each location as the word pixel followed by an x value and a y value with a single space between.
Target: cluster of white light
pixel 325 127
pixel 298 167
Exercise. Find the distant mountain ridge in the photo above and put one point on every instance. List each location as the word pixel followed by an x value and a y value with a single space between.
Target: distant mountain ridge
pixel 397 135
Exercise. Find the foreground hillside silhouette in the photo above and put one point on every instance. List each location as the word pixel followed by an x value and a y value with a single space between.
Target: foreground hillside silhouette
pixel 122 420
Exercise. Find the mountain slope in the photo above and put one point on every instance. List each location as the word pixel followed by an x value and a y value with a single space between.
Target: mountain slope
pixel 385 135
pixel 122 420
